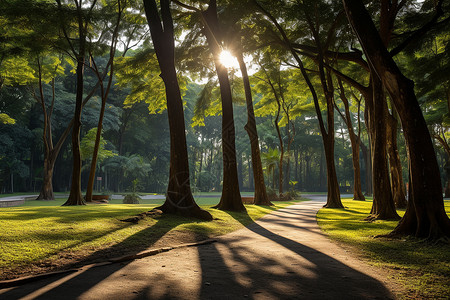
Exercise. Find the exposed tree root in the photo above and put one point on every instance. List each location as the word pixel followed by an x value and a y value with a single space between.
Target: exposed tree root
pixel 151 213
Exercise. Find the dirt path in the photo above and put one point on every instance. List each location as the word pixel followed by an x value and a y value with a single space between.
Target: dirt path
pixel 282 256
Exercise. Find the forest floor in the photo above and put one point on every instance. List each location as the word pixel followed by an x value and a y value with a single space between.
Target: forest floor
pixel 283 255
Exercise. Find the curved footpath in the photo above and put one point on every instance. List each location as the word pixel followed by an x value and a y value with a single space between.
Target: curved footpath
pixel 283 255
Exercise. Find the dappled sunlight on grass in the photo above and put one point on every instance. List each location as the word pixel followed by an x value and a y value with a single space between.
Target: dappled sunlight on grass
pixel 33 234
pixel 422 267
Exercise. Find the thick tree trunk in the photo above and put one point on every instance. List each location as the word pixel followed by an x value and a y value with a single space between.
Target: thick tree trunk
pixel 179 199
pixel 260 196
pixel 231 197
pixel 398 187
pixel 425 215
pixel 333 196
pixel 46 192
pixel 383 207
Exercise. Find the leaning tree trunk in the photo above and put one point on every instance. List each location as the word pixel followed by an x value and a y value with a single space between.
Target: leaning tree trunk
pixel 179 199
pixel 398 187
pixel 260 197
pixel 334 195
pixel 425 215
pixel 231 197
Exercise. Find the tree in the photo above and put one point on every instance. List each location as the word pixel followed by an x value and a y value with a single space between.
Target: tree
pixel 47 69
pixel 354 140
pixel 179 197
pixel 104 91
pixel 231 197
pixel 425 215
pixel 333 195
pixel 260 195
pixel 82 16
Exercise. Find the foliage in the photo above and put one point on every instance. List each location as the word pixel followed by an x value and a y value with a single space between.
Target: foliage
pixel 133 197
pixel 5 119
pixel 88 143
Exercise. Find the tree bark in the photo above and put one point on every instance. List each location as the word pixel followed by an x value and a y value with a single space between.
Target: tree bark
pixel 231 197
pixel 425 216
pixel 357 192
pixel 179 199
pixel 383 207
pixel 328 134
pixel 104 94
pixel 398 187
pixel 75 196
pixel 46 192
pixel 260 196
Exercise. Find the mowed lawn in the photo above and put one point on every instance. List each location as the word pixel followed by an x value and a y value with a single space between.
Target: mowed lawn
pixel 423 268
pixel 44 234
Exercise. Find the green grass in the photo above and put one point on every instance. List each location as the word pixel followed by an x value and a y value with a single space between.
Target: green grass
pixel 45 233
pixel 423 268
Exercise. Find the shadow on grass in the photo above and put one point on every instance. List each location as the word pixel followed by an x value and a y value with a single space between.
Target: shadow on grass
pixel 141 240
pixel 423 266
pixel 73 286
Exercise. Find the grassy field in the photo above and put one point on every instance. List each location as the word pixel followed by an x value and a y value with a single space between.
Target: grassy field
pixel 42 235
pixel 423 268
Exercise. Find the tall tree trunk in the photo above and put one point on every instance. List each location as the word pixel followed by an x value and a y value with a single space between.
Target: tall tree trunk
pixel 425 215
pixel 104 94
pixel 398 187
pixel 75 196
pixel 280 163
pixel 383 207
pixel 328 134
pixel 333 196
pixel 179 198
pixel 357 192
pixel 367 151
pixel 231 197
pixel 260 196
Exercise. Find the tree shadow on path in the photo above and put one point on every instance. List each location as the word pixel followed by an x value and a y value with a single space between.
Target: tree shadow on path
pixel 277 264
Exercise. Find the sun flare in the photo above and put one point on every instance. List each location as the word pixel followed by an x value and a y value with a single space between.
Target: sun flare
pixel 228 60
